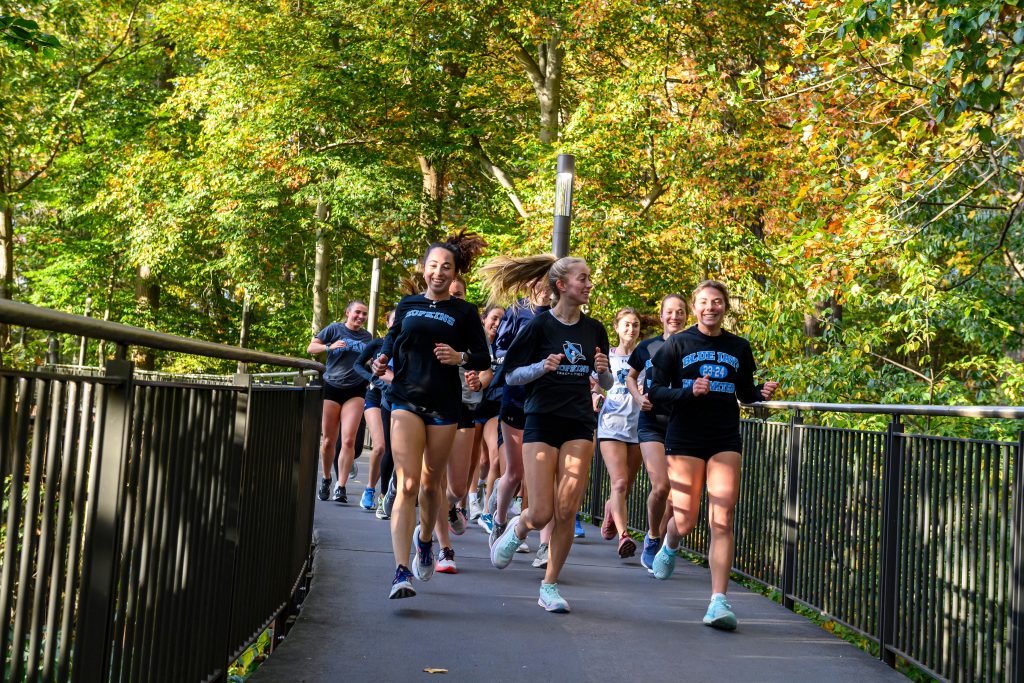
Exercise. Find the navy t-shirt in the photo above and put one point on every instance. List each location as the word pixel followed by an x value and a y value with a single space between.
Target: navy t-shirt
pixel 640 360
pixel 516 317
pixel 422 382
pixel 566 391
pixel 362 368
pixel 339 361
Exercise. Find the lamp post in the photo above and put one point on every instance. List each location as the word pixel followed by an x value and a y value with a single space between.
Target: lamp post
pixel 374 295
pixel 563 204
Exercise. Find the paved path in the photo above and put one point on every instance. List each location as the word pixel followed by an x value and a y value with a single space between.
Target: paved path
pixel 484 625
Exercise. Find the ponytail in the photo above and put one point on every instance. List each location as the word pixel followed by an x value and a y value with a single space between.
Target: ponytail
pixel 464 247
pixel 506 277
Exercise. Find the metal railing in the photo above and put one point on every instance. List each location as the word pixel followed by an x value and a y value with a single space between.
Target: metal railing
pixel 910 540
pixel 153 527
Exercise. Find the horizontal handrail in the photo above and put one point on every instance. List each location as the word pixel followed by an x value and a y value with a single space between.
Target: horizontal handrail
pixel 17 313
pixel 1009 412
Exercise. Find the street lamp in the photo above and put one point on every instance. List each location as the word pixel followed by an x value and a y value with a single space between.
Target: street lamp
pixel 563 204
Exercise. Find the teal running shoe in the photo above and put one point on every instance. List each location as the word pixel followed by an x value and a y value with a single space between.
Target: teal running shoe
pixel 504 548
pixel 551 600
pixel 719 614
pixel 664 563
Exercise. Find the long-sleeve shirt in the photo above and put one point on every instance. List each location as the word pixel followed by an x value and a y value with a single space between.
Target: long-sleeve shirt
pixel 566 391
pixel 727 360
pixel 421 381
pixel 516 317
pixel 362 368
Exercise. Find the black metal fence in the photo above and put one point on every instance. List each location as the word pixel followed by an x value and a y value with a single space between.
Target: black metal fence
pixel 912 541
pixel 152 527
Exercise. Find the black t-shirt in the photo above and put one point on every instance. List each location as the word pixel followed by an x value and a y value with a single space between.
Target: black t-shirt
pixel 689 355
pixel 640 360
pixel 362 368
pixel 339 371
pixel 566 391
pixel 516 318
pixel 421 381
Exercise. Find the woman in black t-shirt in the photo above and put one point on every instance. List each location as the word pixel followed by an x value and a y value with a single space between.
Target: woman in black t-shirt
pixel 700 373
pixel 432 335
pixel 555 356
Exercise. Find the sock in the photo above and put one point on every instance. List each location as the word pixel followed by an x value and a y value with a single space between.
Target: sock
pixel 717 595
pixel 669 547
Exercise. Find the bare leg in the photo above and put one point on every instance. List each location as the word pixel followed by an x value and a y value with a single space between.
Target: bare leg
pixel 328 436
pixel 686 475
pixel 351 413
pixel 657 500
pixel 571 481
pixel 376 427
pixel 723 480
pixel 615 456
pixel 408 436
pixel 513 474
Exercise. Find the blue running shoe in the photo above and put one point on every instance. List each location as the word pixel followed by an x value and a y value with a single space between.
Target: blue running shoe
pixel 504 548
pixel 664 563
pixel 423 563
pixel 651 546
pixel 550 599
pixel 366 502
pixel 401 587
pixel 719 614
pixel 486 522
pixel 579 532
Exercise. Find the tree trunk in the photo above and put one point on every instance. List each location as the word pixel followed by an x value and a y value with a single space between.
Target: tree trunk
pixel 432 199
pixel 147 305
pixel 322 274
pixel 814 325
pixel 545 74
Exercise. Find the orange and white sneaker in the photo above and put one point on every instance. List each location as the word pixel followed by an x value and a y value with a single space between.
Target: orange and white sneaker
pixel 446 562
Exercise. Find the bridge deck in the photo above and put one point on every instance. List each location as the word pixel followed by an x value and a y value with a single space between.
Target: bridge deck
pixel 485 625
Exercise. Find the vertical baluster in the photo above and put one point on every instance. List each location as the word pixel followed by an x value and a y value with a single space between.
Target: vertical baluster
pixel 893 483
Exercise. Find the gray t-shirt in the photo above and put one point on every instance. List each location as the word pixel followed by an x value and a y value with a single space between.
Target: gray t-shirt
pixel 620 413
pixel 340 361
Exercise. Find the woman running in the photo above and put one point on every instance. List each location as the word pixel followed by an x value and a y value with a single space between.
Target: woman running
pixel 343 395
pixel 486 419
pixel 505 277
pixel 433 334
pixel 617 433
pixel 554 357
pixel 652 424
pixel 381 463
pixel 700 373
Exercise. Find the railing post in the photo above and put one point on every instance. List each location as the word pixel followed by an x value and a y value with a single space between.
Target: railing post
pixel 103 522
pixel 232 536
pixel 1017 587
pixel 791 514
pixel 596 477
pixel 892 492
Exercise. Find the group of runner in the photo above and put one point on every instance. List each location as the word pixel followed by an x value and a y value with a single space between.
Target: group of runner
pixel 438 386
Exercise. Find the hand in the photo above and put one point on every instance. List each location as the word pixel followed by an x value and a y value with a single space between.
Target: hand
pixel 340 344
pixel 380 364
pixel 702 386
pixel 552 362
pixel 646 404
pixel 768 389
pixel 473 380
pixel 447 354
pixel 600 362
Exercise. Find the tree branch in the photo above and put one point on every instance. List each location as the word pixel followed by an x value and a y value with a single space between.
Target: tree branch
pixel 998 245
pixel 499 174
pixel 902 367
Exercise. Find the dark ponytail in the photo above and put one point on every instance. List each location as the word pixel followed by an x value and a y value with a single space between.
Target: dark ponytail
pixel 464 247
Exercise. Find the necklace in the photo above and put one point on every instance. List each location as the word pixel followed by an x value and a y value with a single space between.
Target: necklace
pixel 563 321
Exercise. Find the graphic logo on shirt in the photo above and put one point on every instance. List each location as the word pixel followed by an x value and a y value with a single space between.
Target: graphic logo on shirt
pixel 620 376
pixel 573 352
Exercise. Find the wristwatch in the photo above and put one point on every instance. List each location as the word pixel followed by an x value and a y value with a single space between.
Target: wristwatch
pixel 463 358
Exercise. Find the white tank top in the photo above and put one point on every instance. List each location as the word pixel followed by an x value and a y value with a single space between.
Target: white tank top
pixel 620 412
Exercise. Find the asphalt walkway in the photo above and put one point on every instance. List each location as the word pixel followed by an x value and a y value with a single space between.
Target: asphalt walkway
pixel 485 625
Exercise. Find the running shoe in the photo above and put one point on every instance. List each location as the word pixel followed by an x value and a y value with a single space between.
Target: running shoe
pixel 381 512
pixel 492 500
pixel 664 563
pixel 497 529
pixel 505 546
pixel 608 530
pixel 486 522
pixel 579 532
pixel 354 472
pixel 401 587
pixel 366 502
pixel 324 492
pixel 340 495
pixel 517 505
pixel 423 563
pixel 475 510
pixel 457 520
pixel 524 547
pixel 651 546
pixel 389 502
pixel 550 599
pixel 541 561
pixel 719 614
pixel 627 546
pixel 446 561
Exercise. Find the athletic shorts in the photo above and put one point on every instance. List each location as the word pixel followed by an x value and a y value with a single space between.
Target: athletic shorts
pixel 466 414
pixel 705 451
pixel 370 403
pixel 486 410
pixel 651 433
pixel 341 395
pixel 429 419
pixel 513 416
pixel 555 431
pixel 628 443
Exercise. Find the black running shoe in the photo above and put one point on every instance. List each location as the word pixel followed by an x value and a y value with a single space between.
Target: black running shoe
pixel 340 495
pixel 324 492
